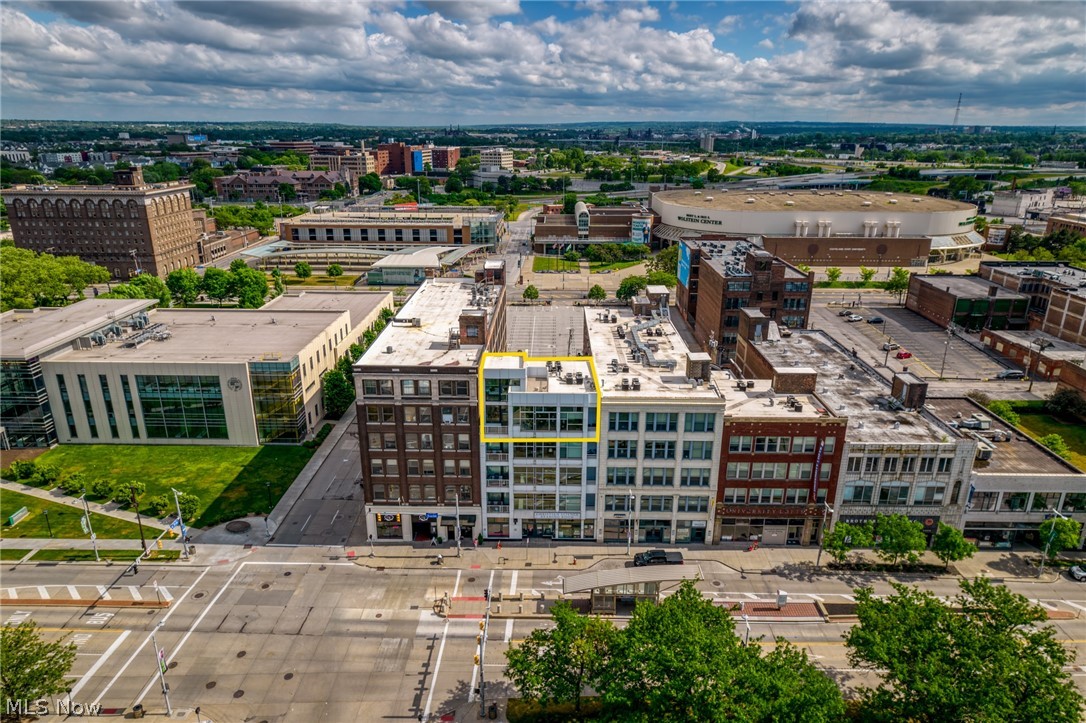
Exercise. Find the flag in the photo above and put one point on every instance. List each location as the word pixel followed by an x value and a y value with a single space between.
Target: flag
pixel 84 524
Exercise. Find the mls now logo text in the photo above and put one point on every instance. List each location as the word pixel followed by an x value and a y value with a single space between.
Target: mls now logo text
pixel 45 707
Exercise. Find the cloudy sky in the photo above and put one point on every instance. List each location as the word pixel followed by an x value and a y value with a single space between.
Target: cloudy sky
pixel 504 61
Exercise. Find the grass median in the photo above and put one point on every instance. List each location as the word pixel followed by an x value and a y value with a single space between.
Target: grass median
pixel 114 555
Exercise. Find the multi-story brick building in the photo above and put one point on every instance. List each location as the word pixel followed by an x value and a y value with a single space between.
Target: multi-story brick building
pixel 445 157
pixel 1073 222
pixel 128 227
pixel 718 280
pixel 268 185
pixel 418 411
pixel 966 301
pixel 557 232
pixel 1056 291
pixel 394 229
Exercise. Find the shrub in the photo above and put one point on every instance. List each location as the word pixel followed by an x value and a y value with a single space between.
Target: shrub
pixel 1004 410
pixel 22 469
pixel 101 488
pixel 319 438
pixel 45 475
pixel 74 483
pixel 161 505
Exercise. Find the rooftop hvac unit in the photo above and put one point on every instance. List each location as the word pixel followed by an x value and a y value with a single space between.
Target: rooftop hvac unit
pixel 389 349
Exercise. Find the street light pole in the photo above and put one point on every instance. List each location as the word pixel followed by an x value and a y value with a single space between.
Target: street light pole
pixel 826 510
pixel 90 529
pixel 1041 346
pixel 1051 536
pixel 160 663
pixel 629 524
pixel 456 498
pixel 47 525
pixel 946 348
pixel 139 520
pixel 180 524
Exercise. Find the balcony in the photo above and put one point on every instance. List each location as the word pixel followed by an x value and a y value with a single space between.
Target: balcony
pixel 497 509
pixel 497 456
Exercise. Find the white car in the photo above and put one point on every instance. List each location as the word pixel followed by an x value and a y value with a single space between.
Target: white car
pixel 890 346
pixel 854 317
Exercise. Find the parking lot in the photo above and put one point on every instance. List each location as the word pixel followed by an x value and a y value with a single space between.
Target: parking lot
pixel 925 340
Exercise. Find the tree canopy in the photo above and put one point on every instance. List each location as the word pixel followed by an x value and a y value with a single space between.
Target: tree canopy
pixel 1058 534
pixel 950 545
pixel 28 280
pixel 530 293
pixel 143 286
pixel 33 668
pixel 898 539
pixel 991 660
pixel 184 286
pixel 630 287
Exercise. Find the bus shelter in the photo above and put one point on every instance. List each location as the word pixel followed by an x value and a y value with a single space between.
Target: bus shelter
pixel 612 591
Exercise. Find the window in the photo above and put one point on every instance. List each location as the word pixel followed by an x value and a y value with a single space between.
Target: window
pixel 622 476
pixel 661 422
pixel 622 421
pixel 374 440
pixel 1044 501
pixel 927 464
pixel 379 415
pixel 871 465
pixel 700 422
pixel 697 450
pixel 804 445
pixel 855 464
pixel 772 444
pixel 448 442
pixel 656 503
pixel 659 450
pixel 795 497
pixel 1015 501
pixel 415 388
pixel 859 493
pixel 463 442
pixel 190 407
pixel 908 464
pixel 889 464
pixel 768 470
pixel 695 477
pixel 894 493
pixel 389 440
pixel 985 500
pixel 693 504
pixel 569 503
pixel 449 468
pixel 929 494
pixel 377 468
pixel 416 415
pixel 830 445
pixel 377 388
pixel 800 471
pixel 426 441
pixel 766 496
pixel 825 472
pixel 622 449
pixel 571 420
pixel 429 493
pixel 453 389
pixel 1074 502
pixel 738 470
pixel 739 444
pixel 569 450
pixel 945 464
pixel 658 477
pixel 427 468
pixel 735 495
pixel 618 503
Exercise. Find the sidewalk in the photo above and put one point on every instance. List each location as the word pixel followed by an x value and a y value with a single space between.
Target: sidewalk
pixel 110 509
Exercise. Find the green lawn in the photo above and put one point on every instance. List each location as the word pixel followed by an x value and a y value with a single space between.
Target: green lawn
pixel 599 266
pixel 554 263
pixel 1040 425
pixel 11 553
pixel 322 280
pixel 63 519
pixel 115 555
pixel 230 481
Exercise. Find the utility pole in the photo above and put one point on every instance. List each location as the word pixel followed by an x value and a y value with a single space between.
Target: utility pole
pixel 180 524
pixel 1051 536
pixel 480 659
pixel 826 509
pixel 94 539
pixel 1041 346
pixel 139 520
pixel 946 348
pixel 160 663
pixel 629 524
pixel 456 497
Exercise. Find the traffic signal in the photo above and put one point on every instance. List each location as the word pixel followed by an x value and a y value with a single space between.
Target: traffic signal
pixel 486 594
pixel 476 659
pixel 482 625
pixel 160 544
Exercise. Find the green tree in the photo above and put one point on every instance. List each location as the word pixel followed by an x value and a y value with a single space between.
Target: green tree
pixel 1005 411
pixel 833 273
pixel 667 260
pixel 334 272
pixel 866 274
pixel 1066 402
pixel 453 184
pixel 572 256
pixel 950 545
pixel 597 293
pixel 898 283
pixel 78 274
pixel 1056 443
pixel 994 660
pixel 184 286
pixel 662 278
pixel 630 287
pixel 248 286
pixel 844 538
pixel 303 270
pixel 287 192
pixel 555 665
pixel 569 203
pixel 898 539
pixel 338 393
pixel 531 293
pixel 370 182
pixel 1059 534
pixel 216 284
pixel 33 668
pixel 143 286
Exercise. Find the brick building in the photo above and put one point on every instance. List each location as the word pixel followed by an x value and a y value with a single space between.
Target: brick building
pixel 445 157
pixel 1056 291
pixel 394 229
pixel 418 411
pixel 717 280
pixel 967 301
pixel 1073 222
pixel 268 185
pixel 556 232
pixel 128 227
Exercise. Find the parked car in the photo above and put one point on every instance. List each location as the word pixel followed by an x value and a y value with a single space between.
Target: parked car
pixel 890 346
pixel 903 355
pixel 1011 374
pixel 1078 573
pixel 658 557
pixel 876 320
pixel 854 317
pixel 844 312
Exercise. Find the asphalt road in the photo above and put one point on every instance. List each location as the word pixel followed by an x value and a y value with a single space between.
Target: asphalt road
pixel 329 511
pixel 292 635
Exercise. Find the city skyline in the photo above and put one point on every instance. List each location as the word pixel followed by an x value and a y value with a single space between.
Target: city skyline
pixel 432 63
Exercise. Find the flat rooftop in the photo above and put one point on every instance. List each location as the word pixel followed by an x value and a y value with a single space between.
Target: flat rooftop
pixel 858 201
pixel 542 379
pixel 1021 455
pixel 760 401
pixel 850 390
pixel 969 286
pixel 360 304
pixel 438 215
pixel 1055 348
pixel 29 332
pixel 215 335
pixel 555 330
pixel 732 262
pixel 1069 277
pixel 665 376
pixel 437 304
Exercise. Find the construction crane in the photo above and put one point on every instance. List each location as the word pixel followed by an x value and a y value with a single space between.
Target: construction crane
pixel 957 111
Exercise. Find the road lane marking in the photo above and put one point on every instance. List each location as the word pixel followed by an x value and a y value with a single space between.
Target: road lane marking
pixel 513 583
pixel 433 678
pixel 103 593
pixel 99 663
pixel 1075 605
pixel 456 585
pixel 508 630
pixel 73 592
pixel 135 592
pixel 42 592
pixel 12 593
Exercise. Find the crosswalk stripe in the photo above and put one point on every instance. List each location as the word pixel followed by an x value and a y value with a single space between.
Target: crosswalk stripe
pixel 42 592
pixel 135 592
pixel 73 592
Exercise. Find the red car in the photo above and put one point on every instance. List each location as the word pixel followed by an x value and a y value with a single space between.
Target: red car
pixel 903 355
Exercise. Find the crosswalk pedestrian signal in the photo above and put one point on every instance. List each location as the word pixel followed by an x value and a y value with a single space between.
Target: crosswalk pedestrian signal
pixel 159 544
pixel 476 659
pixel 486 594
pixel 482 625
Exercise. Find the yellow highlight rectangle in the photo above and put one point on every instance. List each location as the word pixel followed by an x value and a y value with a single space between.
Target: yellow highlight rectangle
pixel 524 356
